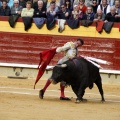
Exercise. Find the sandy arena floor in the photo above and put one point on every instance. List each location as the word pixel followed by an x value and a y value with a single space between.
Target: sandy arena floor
pixel 19 101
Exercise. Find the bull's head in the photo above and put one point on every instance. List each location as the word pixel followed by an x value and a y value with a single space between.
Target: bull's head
pixel 58 73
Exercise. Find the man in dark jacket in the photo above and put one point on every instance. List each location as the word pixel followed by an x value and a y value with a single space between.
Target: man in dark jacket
pixel 112 16
pixel 4 9
pixel 40 11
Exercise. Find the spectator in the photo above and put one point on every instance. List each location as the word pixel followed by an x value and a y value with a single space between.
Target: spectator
pixel 16 8
pixel 63 15
pixel 112 16
pixel 89 15
pixel 28 11
pixel 104 7
pixel 52 10
pixel 22 3
pixel 76 13
pixel 69 5
pixel 117 6
pixel 94 6
pixel 57 4
pixel 99 16
pixel 63 2
pixel 4 9
pixel 40 11
pixel 81 6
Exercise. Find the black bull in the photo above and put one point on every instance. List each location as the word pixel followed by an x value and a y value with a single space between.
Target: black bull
pixel 80 75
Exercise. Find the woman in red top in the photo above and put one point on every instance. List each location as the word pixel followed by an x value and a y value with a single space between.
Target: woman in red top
pixel 82 6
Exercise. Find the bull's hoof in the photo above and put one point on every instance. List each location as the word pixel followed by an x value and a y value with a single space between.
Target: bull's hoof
pixel 41 94
pixel 102 101
pixel 84 100
pixel 65 98
pixel 78 101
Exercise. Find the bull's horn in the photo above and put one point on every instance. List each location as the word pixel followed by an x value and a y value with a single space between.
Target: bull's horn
pixel 64 65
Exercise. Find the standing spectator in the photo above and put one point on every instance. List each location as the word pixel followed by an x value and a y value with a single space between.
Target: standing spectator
pixel 112 16
pixel 94 6
pixel 117 6
pixel 104 7
pixel 4 9
pixel 89 15
pixel 16 8
pixel 63 2
pixel 99 16
pixel 40 11
pixel 28 11
pixel 22 3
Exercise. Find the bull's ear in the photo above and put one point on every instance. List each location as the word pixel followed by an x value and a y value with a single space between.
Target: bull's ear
pixel 62 66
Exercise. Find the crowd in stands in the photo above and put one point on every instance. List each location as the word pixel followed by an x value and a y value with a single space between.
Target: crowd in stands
pixel 63 10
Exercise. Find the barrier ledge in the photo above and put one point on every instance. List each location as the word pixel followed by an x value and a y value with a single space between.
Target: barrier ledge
pixel 50 67
pixel 22 65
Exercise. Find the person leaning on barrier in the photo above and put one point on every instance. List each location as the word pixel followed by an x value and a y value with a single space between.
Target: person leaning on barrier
pixel 28 11
pixel 4 9
pixel 40 11
pixel 99 16
pixel 112 16
pixel 16 8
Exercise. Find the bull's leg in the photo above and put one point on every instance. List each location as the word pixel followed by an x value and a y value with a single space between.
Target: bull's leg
pixel 99 85
pixel 75 89
pixel 81 91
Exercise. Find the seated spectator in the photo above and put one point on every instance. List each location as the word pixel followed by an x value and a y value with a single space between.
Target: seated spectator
pixel 117 6
pixel 57 3
pixel 81 6
pixel 104 7
pixel 40 11
pixel 16 8
pixel 76 13
pixel 112 16
pixel 52 10
pixel 94 6
pixel 99 16
pixel 28 11
pixel 4 9
pixel 69 5
pixel 22 3
pixel 89 15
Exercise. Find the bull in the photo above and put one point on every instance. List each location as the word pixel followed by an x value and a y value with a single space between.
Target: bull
pixel 80 74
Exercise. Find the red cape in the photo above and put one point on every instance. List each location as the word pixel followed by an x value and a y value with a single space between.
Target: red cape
pixel 45 58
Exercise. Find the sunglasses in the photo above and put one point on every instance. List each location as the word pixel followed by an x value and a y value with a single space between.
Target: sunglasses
pixel 94 3
pixel 15 3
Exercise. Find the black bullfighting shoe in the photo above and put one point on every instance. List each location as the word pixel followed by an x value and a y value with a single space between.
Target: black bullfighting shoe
pixel 41 94
pixel 64 98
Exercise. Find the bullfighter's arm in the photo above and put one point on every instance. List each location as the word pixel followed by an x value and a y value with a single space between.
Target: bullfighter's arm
pixel 66 46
